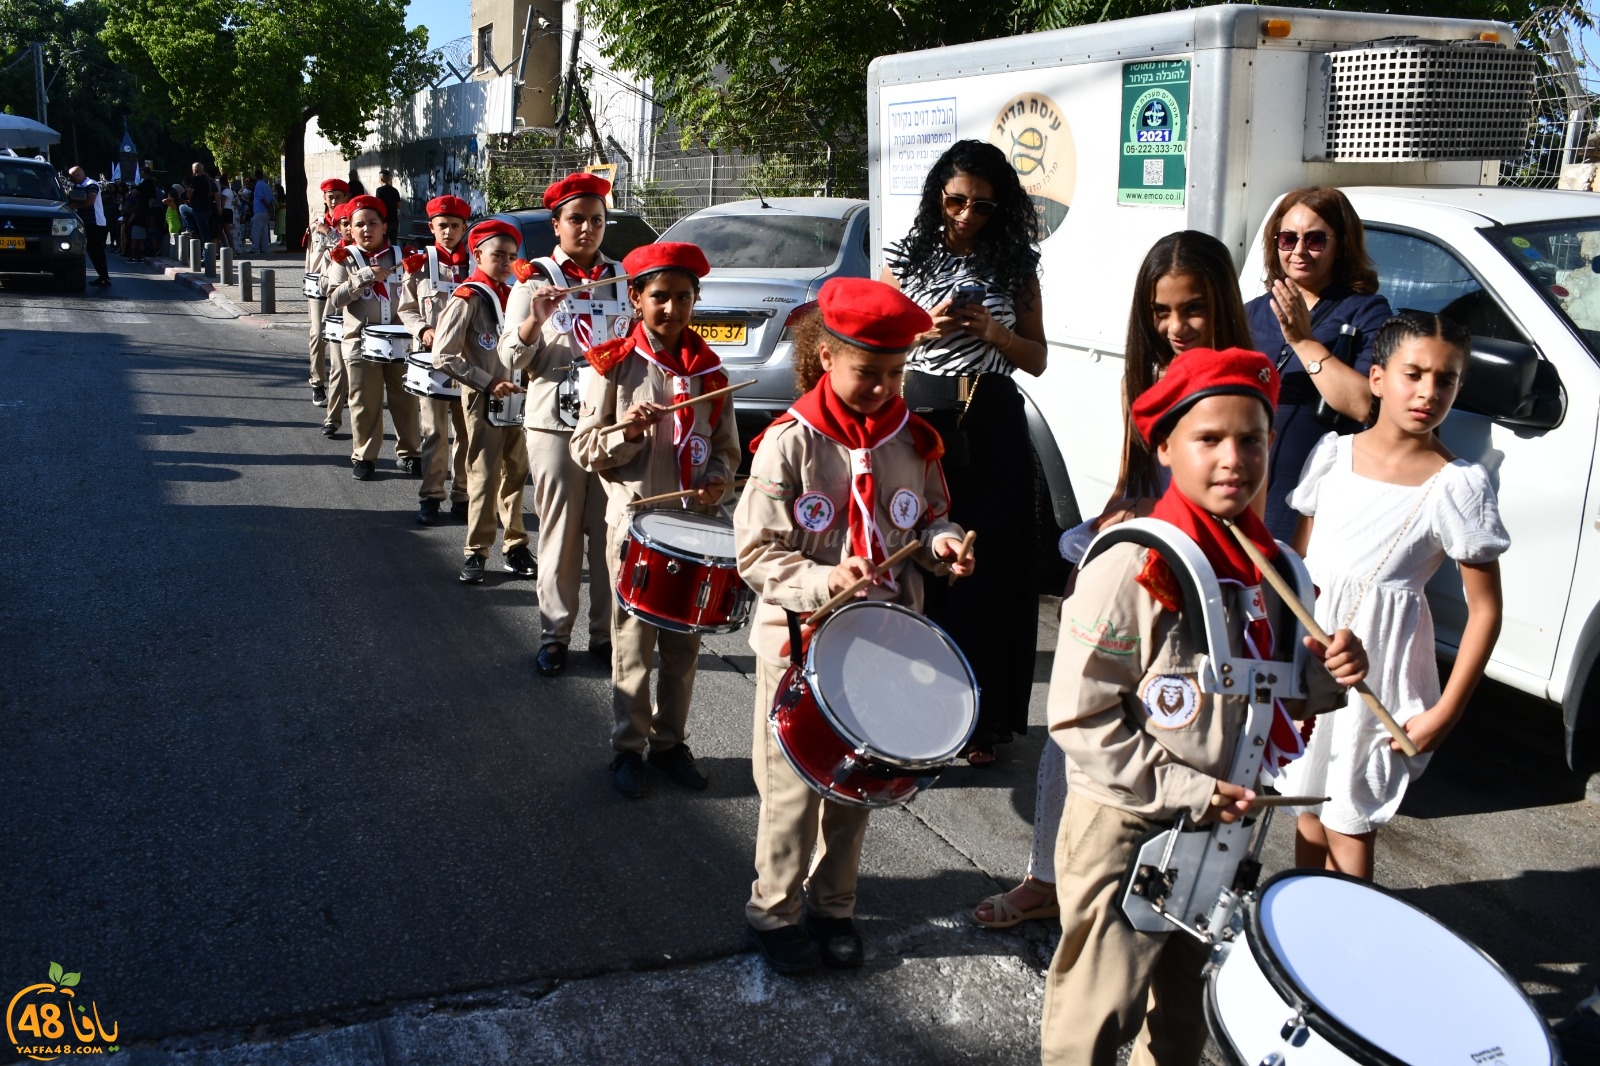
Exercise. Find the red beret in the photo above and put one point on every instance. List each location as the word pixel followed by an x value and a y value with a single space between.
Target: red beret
pixel 665 255
pixel 573 186
pixel 335 185
pixel 368 203
pixel 454 206
pixel 342 211
pixel 493 227
pixel 871 315
pixel 1196 374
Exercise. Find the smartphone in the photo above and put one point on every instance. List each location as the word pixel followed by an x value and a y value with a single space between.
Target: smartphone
pixel 967 294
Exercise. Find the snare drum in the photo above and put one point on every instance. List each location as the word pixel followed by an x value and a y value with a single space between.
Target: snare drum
pixel 505 411
pixel 333 328
pixel 385 344
pixel 679 573
pixel 1332 970
pixel 423 380
pixel 311 287
pixel 883 701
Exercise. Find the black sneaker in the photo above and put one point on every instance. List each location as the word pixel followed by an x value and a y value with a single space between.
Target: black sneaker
pixel 837 941
pixel 361 470
pixel 428 512
pixel 410 465
pixel 472 569
pixel 627 775
pixel 601 651
pixel 552 659
pixel 520 561
pixel 1579 1033
pixel 458 509
pixel 329 429
pixel 787 950
pixel 319 396
pixel 677 762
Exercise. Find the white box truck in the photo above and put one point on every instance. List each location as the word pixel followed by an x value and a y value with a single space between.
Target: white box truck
pixel 1125 131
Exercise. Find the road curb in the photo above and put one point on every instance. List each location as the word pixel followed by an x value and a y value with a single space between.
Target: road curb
pixel 199 283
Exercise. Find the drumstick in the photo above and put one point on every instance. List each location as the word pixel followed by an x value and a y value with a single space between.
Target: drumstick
pixel 679 495
pixel 1269 800
pixel 712 395
pixel 906 551
pixel 1287 595
pixel 961 556
pixel 592 283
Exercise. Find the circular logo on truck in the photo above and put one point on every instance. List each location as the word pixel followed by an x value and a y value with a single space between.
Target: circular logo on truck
pixel 1034 135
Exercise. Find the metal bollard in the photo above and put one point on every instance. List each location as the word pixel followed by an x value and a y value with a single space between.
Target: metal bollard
pixel 246 281
pixel 195 253
pixel 228 273
pixel 269 294
pixel 183 247
pixel 210 259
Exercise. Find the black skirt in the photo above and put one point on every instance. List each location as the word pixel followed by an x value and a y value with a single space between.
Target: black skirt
pixel 994 615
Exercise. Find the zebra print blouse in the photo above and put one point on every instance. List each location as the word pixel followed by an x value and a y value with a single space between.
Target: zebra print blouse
pixel 956 353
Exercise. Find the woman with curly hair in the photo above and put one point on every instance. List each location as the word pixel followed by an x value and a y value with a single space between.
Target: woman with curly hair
pixel 971 260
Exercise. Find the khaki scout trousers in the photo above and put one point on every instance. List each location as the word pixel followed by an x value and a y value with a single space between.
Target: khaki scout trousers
pixel 794 820
pixel 571 505
pixel 1107 980
pixel 438 454
pixel 370 384
pixel 633 647
pixel 338 385
pixel 497 469
pixel 315 309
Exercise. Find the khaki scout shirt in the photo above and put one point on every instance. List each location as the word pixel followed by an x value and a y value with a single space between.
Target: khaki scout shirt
pixel 552 351
pixel 465 341
pixel 423 296
pixel 349 288
pixel 317 248
pixel 1125 701
pixel 634 469
pixel 792 526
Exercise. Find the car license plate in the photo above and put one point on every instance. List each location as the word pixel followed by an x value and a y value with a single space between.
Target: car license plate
pixel 720 332
pixel 16 244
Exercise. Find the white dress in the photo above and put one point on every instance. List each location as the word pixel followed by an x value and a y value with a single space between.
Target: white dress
pixel 1357 521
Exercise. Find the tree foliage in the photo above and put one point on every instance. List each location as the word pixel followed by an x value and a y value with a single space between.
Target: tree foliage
pixel 740 73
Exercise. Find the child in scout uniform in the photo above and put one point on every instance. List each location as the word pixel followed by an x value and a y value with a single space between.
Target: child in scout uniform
pixel 804 532
pixel 338 380
pixel 548 336
pixel 465 346
pixel 431 276
pixel 1135 763
pixel 320 240
pixel 662 361
pixel 363 281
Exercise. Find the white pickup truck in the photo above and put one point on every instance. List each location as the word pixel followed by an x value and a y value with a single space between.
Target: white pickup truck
pixel 1125 131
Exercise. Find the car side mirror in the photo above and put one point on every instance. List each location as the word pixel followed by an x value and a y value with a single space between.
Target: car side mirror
pixel 77 196
pixel 1508 382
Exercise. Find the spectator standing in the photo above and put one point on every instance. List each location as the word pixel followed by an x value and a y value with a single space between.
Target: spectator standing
pixel 201 195
pixel 174 209
pixel 229 197
pixel 280 216
pixel 261 204
pixel 92 213
pixel 391 203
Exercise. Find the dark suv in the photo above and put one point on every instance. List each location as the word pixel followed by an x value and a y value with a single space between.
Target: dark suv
pixel 38 233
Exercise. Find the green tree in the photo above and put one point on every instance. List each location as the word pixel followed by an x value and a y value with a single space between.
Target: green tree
pixel 250 74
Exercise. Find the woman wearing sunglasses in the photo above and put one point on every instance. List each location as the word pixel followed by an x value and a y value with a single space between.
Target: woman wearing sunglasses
pixel 1319 280
pixel 971 260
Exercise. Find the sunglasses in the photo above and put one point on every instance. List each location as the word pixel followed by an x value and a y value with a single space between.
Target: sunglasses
pixel 958 204
pixel 1315 240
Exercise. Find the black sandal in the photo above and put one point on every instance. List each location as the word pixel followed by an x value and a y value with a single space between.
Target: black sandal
pixel 837 941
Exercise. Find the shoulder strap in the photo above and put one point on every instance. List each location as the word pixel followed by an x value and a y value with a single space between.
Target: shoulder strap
pixel 488 294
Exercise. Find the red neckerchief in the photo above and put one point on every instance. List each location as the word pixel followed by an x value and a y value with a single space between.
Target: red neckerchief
pixel 499 288
pixel 456 259
pixel 692 359
pixel 582 325
pixel 1285 742
pixel 377 286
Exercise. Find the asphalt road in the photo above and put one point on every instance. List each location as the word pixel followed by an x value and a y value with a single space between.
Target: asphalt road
pixel 282 789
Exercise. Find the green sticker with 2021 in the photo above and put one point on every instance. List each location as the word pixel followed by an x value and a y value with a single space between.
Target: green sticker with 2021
pixel 1154 133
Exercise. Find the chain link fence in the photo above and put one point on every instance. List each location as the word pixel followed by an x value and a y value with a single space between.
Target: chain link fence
pixel 676 181
pixel 1567 97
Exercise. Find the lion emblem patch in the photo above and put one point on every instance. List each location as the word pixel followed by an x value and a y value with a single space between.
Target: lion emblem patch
pixel 1171 700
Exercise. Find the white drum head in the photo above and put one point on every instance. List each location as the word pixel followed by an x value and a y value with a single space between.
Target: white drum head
pixel 388 333
pixel 687 533
pixel 893 683
pixel 1394 977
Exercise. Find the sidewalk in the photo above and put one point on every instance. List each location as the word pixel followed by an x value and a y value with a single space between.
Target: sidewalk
pixel 289 272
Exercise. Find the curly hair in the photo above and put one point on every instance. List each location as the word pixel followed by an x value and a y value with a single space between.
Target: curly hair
pixel 1352 268
pixel 1006 251
pixel 809 333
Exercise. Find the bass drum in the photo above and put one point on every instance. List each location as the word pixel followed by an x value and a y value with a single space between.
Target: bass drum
pixel 1333 971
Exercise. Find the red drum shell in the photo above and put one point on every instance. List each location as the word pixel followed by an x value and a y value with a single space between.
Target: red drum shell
pixel 673 587
pixel 822 758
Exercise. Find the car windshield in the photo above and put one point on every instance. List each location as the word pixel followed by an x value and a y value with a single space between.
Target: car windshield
pixel 775 241
pixel 27 181
pixel 1562 260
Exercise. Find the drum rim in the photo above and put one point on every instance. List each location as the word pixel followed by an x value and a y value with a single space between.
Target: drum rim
pixel 810 670
pixel 716 562
pixel 1220 1035
pixel 1317 1017
pixel 734 623
pixel 386 330
pixel 828 790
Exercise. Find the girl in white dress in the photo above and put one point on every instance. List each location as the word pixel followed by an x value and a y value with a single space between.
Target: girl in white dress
pixel 1382 510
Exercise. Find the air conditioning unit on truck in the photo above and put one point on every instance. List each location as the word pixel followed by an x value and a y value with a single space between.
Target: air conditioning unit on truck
pixel 1410 117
